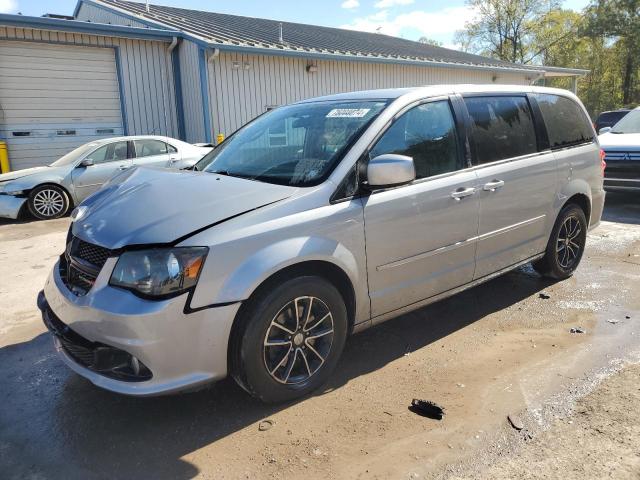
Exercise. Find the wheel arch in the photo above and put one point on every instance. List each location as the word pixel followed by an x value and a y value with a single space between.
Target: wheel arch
pixel 582 201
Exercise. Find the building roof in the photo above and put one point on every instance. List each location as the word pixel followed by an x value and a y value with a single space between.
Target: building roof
pixel 224 30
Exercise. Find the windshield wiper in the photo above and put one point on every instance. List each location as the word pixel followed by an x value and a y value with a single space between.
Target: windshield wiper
pixel 227 173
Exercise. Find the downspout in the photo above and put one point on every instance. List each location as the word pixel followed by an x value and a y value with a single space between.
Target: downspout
pixel 177 85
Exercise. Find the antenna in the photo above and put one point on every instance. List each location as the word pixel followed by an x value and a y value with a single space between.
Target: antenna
pixel 280 39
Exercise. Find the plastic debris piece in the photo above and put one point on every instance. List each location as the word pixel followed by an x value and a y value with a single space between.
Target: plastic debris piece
pixel 577 330
pixel 515 422
pixel 428 409
pixel 265 425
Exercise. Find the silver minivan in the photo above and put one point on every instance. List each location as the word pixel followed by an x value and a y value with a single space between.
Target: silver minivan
pixel 312 222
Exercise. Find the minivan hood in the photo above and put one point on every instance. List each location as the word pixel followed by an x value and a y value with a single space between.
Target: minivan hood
pixel 160 206
pixel 619 140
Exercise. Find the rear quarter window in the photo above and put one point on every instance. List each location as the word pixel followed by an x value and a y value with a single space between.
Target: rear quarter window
pixel 566 122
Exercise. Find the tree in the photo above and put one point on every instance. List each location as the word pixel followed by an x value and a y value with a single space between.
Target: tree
pixel 619 20
pixel 502 28
pixel 429 41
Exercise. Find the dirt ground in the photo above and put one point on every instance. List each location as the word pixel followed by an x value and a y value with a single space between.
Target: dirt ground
pixel 503 348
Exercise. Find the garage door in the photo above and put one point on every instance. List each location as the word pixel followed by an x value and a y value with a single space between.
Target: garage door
pixel 54 98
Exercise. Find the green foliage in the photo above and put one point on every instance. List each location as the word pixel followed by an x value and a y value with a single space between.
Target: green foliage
pixel 604 39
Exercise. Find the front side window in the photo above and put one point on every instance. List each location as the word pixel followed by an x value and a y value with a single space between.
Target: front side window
pixel 502 127
pixel 111 152
pixel 629 123
pixel 297 145
pixel 566 122
pixel 149 148
pixel 427 133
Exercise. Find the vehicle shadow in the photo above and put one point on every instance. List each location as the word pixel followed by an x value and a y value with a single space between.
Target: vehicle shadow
pixel 54 421
pixel 622 207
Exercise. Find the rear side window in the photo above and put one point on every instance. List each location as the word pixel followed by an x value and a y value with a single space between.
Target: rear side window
pixel 502 127
pixel 566 122
pixel 427 133
pixel 149 148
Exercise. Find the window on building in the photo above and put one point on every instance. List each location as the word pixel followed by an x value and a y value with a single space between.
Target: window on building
pixel 566 122
pixel 427 133
pixel 502 127
pixel 149 148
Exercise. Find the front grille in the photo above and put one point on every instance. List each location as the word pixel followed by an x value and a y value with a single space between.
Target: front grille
pixel 81 264
pixel 97 357
pixel 612 156
pixel 94 254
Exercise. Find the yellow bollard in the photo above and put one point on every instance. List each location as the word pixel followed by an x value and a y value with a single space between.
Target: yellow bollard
pixel 219 138
pixel 4 157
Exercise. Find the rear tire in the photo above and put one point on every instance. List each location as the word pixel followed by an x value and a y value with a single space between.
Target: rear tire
pixel 566 244
pixel 48 201
pixel 289 339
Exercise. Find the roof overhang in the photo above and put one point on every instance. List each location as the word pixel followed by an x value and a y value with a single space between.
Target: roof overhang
pixel 91 28
pixel 564 72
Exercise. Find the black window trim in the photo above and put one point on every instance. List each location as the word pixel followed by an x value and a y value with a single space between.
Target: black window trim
pixel 539 130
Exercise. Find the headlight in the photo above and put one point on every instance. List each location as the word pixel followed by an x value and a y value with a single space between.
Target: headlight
pixel 159 273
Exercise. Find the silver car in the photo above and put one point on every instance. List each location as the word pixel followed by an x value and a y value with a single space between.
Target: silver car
pixel 50 191
pixel 315 221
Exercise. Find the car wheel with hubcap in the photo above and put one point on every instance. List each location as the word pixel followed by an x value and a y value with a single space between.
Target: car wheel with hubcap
pixel 566 245
pixel 289 339
pixel 48 201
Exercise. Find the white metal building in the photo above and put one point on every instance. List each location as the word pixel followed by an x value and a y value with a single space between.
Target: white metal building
pixel 122 69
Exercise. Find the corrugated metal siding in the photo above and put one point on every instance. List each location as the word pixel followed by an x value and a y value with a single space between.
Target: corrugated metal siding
pixel 243 86
pixel 191 93
pixel 146 76
pixel 95 14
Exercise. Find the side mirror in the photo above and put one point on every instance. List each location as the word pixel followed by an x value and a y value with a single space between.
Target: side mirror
pixel 604 130
pixel 390 170
pixel 87 162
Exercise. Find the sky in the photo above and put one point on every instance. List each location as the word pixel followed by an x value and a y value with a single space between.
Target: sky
pixel 410 19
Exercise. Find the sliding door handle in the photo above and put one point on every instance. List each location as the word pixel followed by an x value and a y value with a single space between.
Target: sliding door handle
pixel 493 185
pixel 462 192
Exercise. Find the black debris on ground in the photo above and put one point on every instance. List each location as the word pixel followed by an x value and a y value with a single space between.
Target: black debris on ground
pixel 425 408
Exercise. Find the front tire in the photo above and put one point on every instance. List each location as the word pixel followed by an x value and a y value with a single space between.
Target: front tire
pixel 289 339
pixel 566 244
pixel 48 201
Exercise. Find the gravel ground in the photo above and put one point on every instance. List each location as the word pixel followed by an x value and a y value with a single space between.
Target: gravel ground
pixel 601 439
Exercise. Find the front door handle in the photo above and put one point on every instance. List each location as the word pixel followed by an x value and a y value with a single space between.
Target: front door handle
pixel 123 167
pixel 462 192
pixel 493 185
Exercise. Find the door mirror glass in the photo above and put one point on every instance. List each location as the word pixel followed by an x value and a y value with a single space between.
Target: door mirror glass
pixel 390 170
pixel 87 162
pixel 604 130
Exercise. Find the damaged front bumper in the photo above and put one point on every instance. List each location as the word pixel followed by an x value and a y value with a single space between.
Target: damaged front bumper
pixel 10 206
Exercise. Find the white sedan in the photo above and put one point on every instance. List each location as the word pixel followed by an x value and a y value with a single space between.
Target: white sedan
pixel 51 191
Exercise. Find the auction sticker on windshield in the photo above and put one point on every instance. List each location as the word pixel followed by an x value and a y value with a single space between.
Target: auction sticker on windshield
pixel 348 112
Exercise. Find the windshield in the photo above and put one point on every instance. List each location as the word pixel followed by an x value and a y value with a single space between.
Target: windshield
pixel 630 123
pixel 74 155
pixel 297 145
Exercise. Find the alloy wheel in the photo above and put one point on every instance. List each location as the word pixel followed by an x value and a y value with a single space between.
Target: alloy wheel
pixel 568 242
pixel 298 340
pixel 48 202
